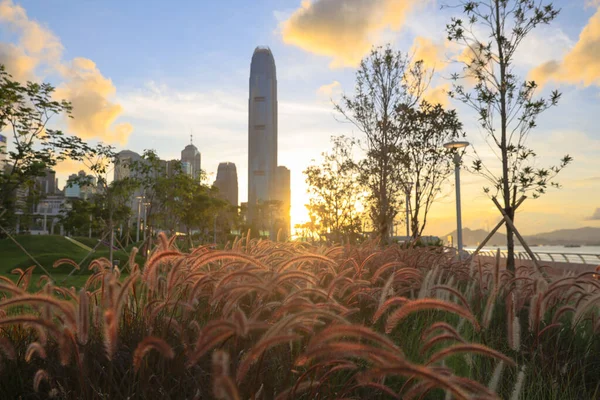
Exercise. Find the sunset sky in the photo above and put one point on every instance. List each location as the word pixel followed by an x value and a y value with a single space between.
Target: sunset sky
pixel 146 74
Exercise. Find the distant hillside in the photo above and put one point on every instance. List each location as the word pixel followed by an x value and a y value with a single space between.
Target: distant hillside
pixel 587 236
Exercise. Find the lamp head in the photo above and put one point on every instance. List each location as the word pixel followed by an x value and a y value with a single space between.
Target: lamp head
pixel 456 145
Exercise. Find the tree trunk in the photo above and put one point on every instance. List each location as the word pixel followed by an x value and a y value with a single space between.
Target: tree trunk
pixel 510 244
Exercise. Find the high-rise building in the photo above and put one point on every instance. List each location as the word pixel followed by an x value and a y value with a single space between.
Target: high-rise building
pixel 192 157
pixel 123 161
pixel 47 183
pixel 283 194
pixel 262 130
pixel 227 182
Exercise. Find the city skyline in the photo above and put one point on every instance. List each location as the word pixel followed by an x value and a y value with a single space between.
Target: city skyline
pixel 127 93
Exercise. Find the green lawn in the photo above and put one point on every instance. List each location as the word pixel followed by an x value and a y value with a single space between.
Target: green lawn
pixel 46 250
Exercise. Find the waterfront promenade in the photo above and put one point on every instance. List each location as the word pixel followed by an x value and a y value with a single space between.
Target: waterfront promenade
pixel 558 262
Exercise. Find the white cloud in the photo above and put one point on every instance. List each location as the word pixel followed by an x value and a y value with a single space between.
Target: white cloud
pixel 344 30
pixel 581 64
pixel 82 83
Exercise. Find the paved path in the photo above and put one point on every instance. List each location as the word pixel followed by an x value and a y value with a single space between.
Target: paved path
pixel 75 242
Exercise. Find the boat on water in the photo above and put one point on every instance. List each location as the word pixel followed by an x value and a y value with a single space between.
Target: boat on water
pixel 572 245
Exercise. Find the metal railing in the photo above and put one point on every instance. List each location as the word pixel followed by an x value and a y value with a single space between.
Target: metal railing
pixel 572 258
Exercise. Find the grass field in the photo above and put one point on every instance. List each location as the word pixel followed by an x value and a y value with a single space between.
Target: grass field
pixel 263 320
pixel 46 249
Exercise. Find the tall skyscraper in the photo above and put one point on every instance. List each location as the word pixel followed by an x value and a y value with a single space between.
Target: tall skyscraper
pixel 227 182
pixel 191 155
pixel 262 129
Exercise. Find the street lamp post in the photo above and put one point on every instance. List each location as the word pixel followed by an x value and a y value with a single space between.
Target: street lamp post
pixel 455 146
pixel 145 216
pixel 137 233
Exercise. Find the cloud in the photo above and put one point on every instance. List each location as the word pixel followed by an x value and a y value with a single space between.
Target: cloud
pixel 581 65
pixel 438 95
pixel 67 167
pixel 595 216
pixel 93 115
pixel 344 29
pixel 17 63
pixel 38 41
pixel 432 54
pixel 330 90
pixel 39 50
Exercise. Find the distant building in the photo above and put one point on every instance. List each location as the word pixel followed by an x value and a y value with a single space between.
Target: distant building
pixel 123 161
pixel 283 194
pixel 187 168
pixel 170 167
pixel 227 182
pixel 47 184
pixel 75 189
pixel 47 214
pixel 173 167
pixel 262 131
pixel 192 157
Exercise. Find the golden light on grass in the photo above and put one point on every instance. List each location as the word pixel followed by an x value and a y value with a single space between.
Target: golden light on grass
pixel 332 322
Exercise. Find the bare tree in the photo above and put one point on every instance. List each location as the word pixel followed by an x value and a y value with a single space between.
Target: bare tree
pixel 506 105
pixel 385 81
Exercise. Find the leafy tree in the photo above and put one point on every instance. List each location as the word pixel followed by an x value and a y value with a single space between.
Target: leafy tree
pixel 335 193
pixel 427 163
pixel 150 175
pixel 25 111
pixel 228 221
pixel 386 81
pixel 200 210
pixel 308 231
pixel 174 194
pixel 76 218
pixel 112 199
pixel 506 105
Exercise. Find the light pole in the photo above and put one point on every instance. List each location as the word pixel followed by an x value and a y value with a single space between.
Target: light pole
pixel 455 147
pixel 407 190
pixel 137 228
pixel 145 215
